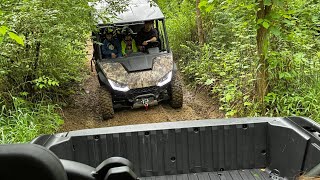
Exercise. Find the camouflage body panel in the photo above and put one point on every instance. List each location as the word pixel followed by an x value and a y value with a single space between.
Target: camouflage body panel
pixel 161 66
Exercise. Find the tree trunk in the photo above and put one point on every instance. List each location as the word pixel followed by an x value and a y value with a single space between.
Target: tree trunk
pixel 36 63
pixel 199 23
pixel 262 45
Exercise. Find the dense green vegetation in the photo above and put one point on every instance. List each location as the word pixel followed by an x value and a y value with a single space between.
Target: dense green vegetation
pixel 41 65
pixel 25 121
pixel 41 59
pixel 257 58
pixel 260 58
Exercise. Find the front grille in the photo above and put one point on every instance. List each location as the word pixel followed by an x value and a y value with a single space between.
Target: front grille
pixel 141 91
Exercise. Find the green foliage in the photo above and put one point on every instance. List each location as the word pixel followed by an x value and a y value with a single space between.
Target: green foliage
pixel 17 38
pixel 301 102
pixel 54 35
pixel 42 57
pixel 227 63
pixel 25 121
pixel 224 64
pixel 45 82
pixel 215 68
pixel 181 23
pixel 12 35
pixel 294 63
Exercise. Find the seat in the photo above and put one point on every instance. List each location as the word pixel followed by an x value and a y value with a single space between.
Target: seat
pixel 29 161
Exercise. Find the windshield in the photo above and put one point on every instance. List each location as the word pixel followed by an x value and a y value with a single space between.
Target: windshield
pixel 127 40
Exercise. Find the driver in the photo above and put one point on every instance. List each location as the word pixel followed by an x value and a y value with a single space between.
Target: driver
pixel 146 35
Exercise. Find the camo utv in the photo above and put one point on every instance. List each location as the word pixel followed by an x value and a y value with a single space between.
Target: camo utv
pixel 141 79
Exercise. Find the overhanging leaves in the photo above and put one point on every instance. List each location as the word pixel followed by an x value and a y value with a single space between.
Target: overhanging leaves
pixel 17 38
pixel 265 24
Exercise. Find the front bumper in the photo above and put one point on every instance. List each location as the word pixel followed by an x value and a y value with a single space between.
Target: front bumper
pixel 134 97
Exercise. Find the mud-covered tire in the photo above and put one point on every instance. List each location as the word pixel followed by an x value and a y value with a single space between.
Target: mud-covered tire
pixel 175 93
pixel 106 105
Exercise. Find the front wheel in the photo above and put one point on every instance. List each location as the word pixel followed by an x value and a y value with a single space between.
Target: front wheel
pixel 175 93
pixel 106 105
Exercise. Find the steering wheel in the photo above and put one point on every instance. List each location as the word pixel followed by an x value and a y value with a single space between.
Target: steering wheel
pixel 152 44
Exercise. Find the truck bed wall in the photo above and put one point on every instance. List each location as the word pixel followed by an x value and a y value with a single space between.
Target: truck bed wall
pixel 278 144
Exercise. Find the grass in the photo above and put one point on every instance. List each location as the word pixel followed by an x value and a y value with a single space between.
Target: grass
pixel 25 121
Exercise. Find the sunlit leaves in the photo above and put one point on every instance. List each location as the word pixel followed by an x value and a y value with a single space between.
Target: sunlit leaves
pixel 206 6
pixel 260 21
pixel 45 82
pixel 265 24
pixel 3 30
pixel 209 81
pixel 17 38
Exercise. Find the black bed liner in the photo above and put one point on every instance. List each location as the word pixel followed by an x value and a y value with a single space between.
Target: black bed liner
pixel 173 150
pixel 248 174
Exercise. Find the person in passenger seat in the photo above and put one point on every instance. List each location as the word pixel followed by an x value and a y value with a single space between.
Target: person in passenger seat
pixel 111 47
pixel 128 44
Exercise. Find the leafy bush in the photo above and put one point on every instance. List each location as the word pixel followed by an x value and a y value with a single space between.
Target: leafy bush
pixel 55 34
pixel 181 23
pixel 215 68
pixel 43 50
pixel 26 121
pixel 228 62
pixel 301 102
pixel 294 63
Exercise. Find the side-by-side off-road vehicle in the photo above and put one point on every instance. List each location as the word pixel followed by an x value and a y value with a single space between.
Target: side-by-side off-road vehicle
pixel 140 79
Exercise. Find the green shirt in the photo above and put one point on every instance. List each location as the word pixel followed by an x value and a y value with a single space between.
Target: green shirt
pixel 126 50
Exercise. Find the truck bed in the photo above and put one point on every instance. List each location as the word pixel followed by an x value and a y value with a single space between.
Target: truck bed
pixel 249 174
pixel 241 148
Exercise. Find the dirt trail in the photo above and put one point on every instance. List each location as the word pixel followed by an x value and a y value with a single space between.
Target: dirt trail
pixel 83 112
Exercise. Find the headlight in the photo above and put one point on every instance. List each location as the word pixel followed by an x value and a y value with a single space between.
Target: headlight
pixel 166 79
pixel 118 86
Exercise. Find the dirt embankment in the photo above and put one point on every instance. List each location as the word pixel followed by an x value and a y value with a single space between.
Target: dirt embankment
pixel 83 112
